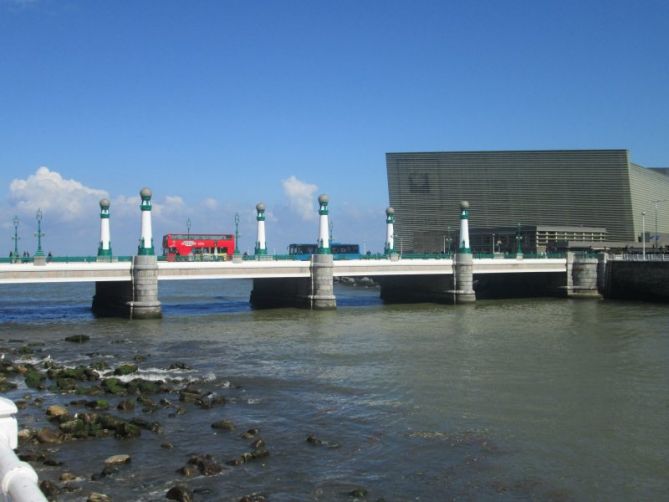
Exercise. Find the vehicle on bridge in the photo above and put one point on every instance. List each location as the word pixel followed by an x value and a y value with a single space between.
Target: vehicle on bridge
pixel 338 250
pixel 198 247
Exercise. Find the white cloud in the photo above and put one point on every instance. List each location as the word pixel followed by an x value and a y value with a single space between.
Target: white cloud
pixel 301 197
pixel 210 203
pixel 64 199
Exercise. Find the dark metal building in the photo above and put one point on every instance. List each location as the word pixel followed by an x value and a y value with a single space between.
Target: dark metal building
pixel 576 188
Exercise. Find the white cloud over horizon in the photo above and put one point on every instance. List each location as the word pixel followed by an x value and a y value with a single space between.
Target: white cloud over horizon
pixel 66 199
pixel 300 197
pixel 71 216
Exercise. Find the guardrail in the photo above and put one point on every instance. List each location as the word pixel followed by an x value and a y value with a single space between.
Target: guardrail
pixel 285 257
pixel 18 480
pixel 639 257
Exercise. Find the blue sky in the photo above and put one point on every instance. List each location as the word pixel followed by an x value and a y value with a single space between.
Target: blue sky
pixel 217 105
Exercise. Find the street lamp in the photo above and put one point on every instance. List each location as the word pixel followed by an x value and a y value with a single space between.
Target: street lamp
pixel 16 239
pixel 519 238
pixel 39 233
pixel 643 234
pixel 236 234
pixel 657 234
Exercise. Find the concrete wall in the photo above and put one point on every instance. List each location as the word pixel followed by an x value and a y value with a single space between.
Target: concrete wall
pixel 637 280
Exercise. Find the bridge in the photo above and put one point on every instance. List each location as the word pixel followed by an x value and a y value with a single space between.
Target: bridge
pixel 27 273
pixel 128 287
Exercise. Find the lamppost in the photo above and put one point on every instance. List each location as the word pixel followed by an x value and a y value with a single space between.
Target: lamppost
pixel 16 239
pixel 236 234
pixel 39 234
pixel 188 227
pixel 519 238
pixel 643 234
pixel 657 234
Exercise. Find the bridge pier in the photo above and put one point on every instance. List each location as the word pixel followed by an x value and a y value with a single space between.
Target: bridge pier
pixel 136 299
pixel 315 292
pixel 582 272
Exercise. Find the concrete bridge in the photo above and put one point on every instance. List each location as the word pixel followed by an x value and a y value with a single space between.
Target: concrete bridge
pixel 130 288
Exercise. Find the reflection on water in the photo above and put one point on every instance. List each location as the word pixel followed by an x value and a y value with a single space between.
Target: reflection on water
pixel 518 400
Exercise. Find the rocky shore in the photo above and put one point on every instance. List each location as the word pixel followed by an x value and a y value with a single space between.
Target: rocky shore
pixel 106 408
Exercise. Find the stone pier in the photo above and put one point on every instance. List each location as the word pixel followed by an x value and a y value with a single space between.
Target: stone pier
pixel 314 293
pixel 582 276
pixel 136 299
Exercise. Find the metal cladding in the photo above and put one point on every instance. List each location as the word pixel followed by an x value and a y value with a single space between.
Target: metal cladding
pixel 593 188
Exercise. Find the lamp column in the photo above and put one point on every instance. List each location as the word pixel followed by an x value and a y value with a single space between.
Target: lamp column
pixel 144 303
pixel 390 231
pixel 261 244
pixel 464 263
pixel 321 295
pixel 104 249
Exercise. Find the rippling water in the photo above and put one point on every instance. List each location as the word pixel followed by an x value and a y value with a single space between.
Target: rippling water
pixel 512 400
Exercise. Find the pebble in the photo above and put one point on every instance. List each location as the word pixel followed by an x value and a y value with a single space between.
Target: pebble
pixel 98 497
pixel 225 425
pixel 49 436
pixel 117 459
pixel 56 410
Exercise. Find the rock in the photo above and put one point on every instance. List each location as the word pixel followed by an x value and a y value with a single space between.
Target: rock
pixel 224 425
pixel 68 476
pixel 167 445
pixel 188 471
pixel 253 497
pixel 52 462
pixel 358 493
pixel 126 405
pixel 49 489
pixel 76 427
pixel 98 404
pixel 117 459
pixel 126 369
pixel 56 410
pixel 258 443
pixel 205 464
pixel 66 384
pixel 99 365
pixel 145 424
pixel 98 497
pixel 48 436
pixel 180 493
pixel 6 385
pixel 179 366
pixel 113 386
pixel 77 338
pixel 34 379
pixel 313 440
pixel 107 471
pixel 25 434
pixel 250 434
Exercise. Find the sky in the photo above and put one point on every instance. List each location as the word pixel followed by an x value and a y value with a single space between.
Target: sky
pixel 218 105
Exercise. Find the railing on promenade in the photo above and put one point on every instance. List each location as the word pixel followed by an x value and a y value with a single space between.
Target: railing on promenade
pixel 18 480
pixel 639 257
pixel 287 257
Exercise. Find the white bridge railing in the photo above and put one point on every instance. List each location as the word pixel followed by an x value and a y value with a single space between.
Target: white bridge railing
pixel 18 480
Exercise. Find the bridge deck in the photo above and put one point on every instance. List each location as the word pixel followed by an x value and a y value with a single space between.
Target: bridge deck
pixel 120 271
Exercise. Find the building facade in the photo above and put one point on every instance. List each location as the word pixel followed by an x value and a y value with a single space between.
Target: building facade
pixel 552 188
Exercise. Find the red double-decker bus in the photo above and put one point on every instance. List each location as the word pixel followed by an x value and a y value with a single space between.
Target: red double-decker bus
pixel 204 247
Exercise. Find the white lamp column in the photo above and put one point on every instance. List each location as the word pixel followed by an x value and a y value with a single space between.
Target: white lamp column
pixel 146 239
pixel 261 244
pixel 390 231
pixel 323 233
pixel 104 249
